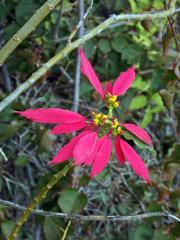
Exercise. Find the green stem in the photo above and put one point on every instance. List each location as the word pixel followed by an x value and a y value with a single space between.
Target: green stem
pixel 65 51
pixel 37 199
pixel 27 28
pixel 110 111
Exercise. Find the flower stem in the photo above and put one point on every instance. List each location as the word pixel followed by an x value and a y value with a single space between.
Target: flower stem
pixel 37 199
pixel 110 111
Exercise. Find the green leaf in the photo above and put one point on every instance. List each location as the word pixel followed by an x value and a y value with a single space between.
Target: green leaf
pixel 140 84
pixel 142 145
pixel 8 131
pixel 52 228
pixel 22 161
pixel 147 118
pixel 89 48
pixel 156 98
pixel 7 227
pixel 2 11
pixel 86 90
pixel 45 140
pixel 104 45
pixel 71 201
pixel 167 98
pixel 25 9
pixel 133 6
pixel 144 232
pixel 131 53
pixel 174 154
pixel 10 30
pixel 119 44
pixel 138 102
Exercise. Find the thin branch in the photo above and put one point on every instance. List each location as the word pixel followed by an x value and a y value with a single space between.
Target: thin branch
pixel 66 230
pixel 91 217
pixel 78 79
pixel 37 199
pixel 81 22
pixel 78 74
pixel 170 20
pixel 66 74
pixel 3 155
pixel 56 31
pixel 70 47
pixel 27 28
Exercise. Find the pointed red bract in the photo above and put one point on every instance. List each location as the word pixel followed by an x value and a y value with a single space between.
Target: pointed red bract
pixel 99 142
pixel 123 82
pixel 88 71
pixel 102 157
pixel 139 132
pixel 135 161
pixel 68 127
pixel 85 148
pixel 118 151
pixel 51 115
pixel 108 88
pixel 66 151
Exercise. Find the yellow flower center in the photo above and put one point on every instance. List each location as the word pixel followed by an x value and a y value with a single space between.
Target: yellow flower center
pixel 112 101
pixel 107 124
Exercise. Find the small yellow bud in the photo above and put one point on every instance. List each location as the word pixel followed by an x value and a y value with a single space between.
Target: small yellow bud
pixel 113 98
pixel 104 117
pixel 119 129
pixel 98 116
pixel 116 122
pixel 115 104
pixel 96 121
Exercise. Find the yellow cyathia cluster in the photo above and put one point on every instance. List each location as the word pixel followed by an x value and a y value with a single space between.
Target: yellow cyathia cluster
pixel 107 124
pixel 99 118
pixel 116 129
pixel 112 101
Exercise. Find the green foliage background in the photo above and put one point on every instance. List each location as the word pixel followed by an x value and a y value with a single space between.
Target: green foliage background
pixel 153 102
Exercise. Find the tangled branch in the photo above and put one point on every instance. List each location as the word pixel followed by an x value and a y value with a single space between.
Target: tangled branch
pixel 91 217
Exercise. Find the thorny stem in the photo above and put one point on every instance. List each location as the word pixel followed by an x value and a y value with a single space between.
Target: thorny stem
pixel 65 51
pixel 37 199
pixel 27 28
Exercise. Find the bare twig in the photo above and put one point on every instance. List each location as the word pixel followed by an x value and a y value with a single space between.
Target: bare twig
pixel 82 19
pixel 56 31
pixel 78 79
pixel 92 217
pixel 71 80
pixel 66 230
pixel 37 199
pixel 3 155
pixel 65 51
pixel 170 20
pixel 78 74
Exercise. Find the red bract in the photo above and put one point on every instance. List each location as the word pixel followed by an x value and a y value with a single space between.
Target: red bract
pixel 121 85
pixel 93 145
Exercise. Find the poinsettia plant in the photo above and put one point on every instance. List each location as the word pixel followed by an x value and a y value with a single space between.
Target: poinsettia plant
pixel 93 144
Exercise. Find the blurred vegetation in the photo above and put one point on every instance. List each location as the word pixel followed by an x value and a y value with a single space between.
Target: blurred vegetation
pixel 153 102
